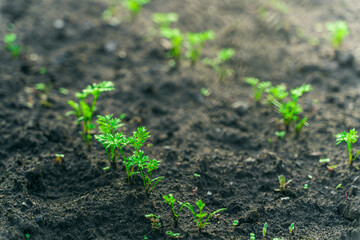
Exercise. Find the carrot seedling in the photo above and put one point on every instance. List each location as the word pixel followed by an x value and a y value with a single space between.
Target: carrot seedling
pixel 219 62
pixel 195 43
pixel 137 163
pixel 135 6
pixel 338 32
pixel 324 160
pixel 175 38
pixel 83 111
pixel 11 45
pixel 277 93
pixel 280 134
pixel 112 141
pixel 201 218
pixel 283 183
pixel 235 223
pixel 349 138
pixel 169 199
pixel 291 110
pixel 257 87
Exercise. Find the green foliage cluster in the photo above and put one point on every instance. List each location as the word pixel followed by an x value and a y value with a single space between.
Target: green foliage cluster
pixel 218 63
pixel 289 108
pixel 137 163
pixel 338 32
pixel 201 219
pixel 11 45
pixel 84 111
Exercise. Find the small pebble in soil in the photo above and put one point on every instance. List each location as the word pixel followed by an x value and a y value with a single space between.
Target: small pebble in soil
pixel 59 24
pixel 209 193
pixel 110 46
pixel 240 107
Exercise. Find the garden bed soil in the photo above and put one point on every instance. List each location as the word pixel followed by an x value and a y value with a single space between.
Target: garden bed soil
pixel 225 138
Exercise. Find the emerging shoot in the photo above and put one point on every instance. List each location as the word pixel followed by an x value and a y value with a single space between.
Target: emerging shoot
pixel 283 183
pixel 195 43
pixel 218 63
pixel 83 111
pixel 349 138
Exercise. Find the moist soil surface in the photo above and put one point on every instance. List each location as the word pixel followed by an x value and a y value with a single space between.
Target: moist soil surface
pixel 226 138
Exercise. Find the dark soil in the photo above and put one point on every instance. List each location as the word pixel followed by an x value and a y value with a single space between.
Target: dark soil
pixel 226 137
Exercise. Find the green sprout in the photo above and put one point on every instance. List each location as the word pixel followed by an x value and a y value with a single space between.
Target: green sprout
pixel 205 92
pixel 291 110
pixel 306 186
pixel 169 199
pixel 218 62
pixel 324 160
pixel 83 111
pixel 155 221
pixel 258 87
pixel 283 183
pixel 59 157
pixel 175 38
pixel 280 134
pixel 252 236
pixel 349 138
pixel 135 6
pixel 291 228
pixel 331 168
pixel 137 163
pixel 338 31
pixel 163 20
pixel 63 91
pixel 172 235
pixel 11 45
pixel 108 127
pixel 338 186
pixel 27 236
pixel 196 175
pixel 42 70
pixel 42 91
pixel 235 223
pixel 264 230
pixel 195 43
pixel 201 218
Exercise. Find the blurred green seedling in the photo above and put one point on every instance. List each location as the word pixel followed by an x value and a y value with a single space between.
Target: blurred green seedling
pixel 172 235
pixel 135 6
pixel 175 38
pixel 282 183
pixel 338 32
pixel 291 228
pixel 252 236
pixel 169 199
pixel 201 219
pixel 164 20
pixel 84 111
pixel 235 223
pixel 11 45
pixel 195 43
pixel 349 138
pixel 291 109
pixel 218 63
pixel 280 134
pixel 257 87
pixel 276 94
